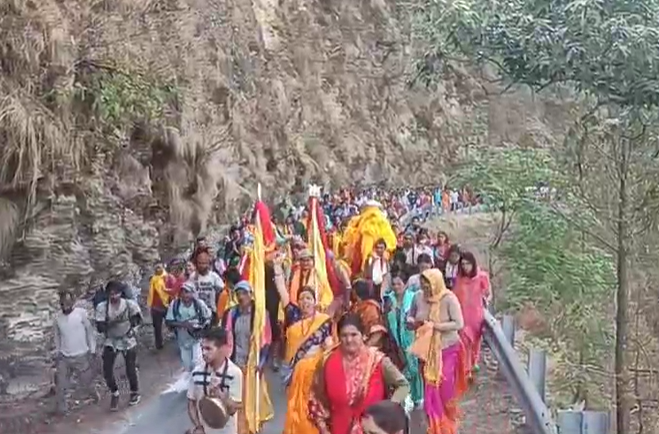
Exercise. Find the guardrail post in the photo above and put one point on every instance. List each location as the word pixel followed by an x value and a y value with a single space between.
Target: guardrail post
pixel 537 415
pixel 508 326
pixel 537 369
pixel 570 422
pixel 596 422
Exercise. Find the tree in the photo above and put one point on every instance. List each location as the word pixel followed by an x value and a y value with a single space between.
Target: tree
pixel 505 180
pixel 568 280
pixel 551 266
pixel 604 52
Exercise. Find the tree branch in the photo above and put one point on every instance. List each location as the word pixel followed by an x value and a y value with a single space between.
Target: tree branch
pixel 582 228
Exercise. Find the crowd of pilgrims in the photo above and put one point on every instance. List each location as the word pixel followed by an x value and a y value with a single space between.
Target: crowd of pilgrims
pixel 392 317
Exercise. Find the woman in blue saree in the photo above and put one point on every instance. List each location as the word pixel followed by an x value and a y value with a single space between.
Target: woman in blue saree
pixel 398 303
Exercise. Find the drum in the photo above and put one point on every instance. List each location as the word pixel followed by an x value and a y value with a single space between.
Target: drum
pixel 213 412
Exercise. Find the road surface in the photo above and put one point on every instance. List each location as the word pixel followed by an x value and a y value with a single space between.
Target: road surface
pixel 487 409
pixel 167 414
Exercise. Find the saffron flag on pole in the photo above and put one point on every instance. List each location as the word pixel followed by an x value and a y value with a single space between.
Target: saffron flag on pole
pixel 257 404
pixel 318 246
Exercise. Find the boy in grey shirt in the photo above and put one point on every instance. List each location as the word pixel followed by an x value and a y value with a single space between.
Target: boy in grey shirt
pixel 117 319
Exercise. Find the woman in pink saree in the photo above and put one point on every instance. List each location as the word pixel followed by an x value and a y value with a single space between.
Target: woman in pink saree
pixel 472 287
pixel 438 319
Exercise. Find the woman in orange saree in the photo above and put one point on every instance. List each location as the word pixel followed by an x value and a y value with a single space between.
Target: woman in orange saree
pixel 349 379
pixel 472 287
pixel 304 274
pixel 308 334
pixel 438 319
pixel 369 312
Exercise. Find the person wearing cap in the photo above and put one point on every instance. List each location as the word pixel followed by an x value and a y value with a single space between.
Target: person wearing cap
pixel 188 316
pixel 238 321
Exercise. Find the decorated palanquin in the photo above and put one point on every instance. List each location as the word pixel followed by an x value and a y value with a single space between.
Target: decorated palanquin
pixel 361 234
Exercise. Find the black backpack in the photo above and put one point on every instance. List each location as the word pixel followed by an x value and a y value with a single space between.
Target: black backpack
pixel 101 296
pixel 101 293
pixel 176 308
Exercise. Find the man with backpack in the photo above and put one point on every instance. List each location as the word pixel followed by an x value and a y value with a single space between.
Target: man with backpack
pixel 117 318
pixel 189 317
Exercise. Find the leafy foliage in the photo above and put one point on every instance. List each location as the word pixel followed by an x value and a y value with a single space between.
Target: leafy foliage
pixel 603 48
pixel 555 269
pixel 604 53
pixel 507 177
pixel 551 264
pixel 120 99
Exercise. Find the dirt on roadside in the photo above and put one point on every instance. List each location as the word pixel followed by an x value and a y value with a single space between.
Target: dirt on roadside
pixel 37 416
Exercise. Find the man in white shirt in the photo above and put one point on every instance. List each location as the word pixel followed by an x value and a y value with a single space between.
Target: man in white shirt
pixel 208 284
pixel 377 267
pixel 454 198
pixel 75 347
pixel 216 377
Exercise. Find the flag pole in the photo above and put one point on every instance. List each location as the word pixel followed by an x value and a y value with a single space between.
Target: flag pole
pixel 257 394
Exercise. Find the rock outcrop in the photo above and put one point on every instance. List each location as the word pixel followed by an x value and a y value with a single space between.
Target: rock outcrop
pixel 110 175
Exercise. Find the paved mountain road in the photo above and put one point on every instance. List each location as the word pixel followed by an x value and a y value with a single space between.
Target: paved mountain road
pixel 486 410
pixel 167 414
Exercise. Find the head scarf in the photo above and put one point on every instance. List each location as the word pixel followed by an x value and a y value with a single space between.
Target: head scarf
pixel 433 368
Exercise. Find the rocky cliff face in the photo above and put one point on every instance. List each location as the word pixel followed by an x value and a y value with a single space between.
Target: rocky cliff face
pixel 127 126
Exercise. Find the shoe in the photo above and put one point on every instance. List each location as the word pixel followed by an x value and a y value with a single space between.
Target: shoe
pixel 114 401
pixel 135 399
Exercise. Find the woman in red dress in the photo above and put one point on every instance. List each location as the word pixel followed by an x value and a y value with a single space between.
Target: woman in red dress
pixel 351 377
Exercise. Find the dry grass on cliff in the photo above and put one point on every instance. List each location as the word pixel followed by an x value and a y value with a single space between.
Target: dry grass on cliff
pixel 193 172
pixel 278 94
pixel 326 103
pixel 34 138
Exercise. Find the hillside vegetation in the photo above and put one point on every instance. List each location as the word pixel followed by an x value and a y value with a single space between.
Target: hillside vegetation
pixel 583 257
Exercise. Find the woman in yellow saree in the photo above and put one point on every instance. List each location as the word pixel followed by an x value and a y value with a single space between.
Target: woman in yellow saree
pixel 308 334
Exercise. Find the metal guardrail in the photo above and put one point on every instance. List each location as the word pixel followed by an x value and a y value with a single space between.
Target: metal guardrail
pixel 529 385
pixel 538 416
